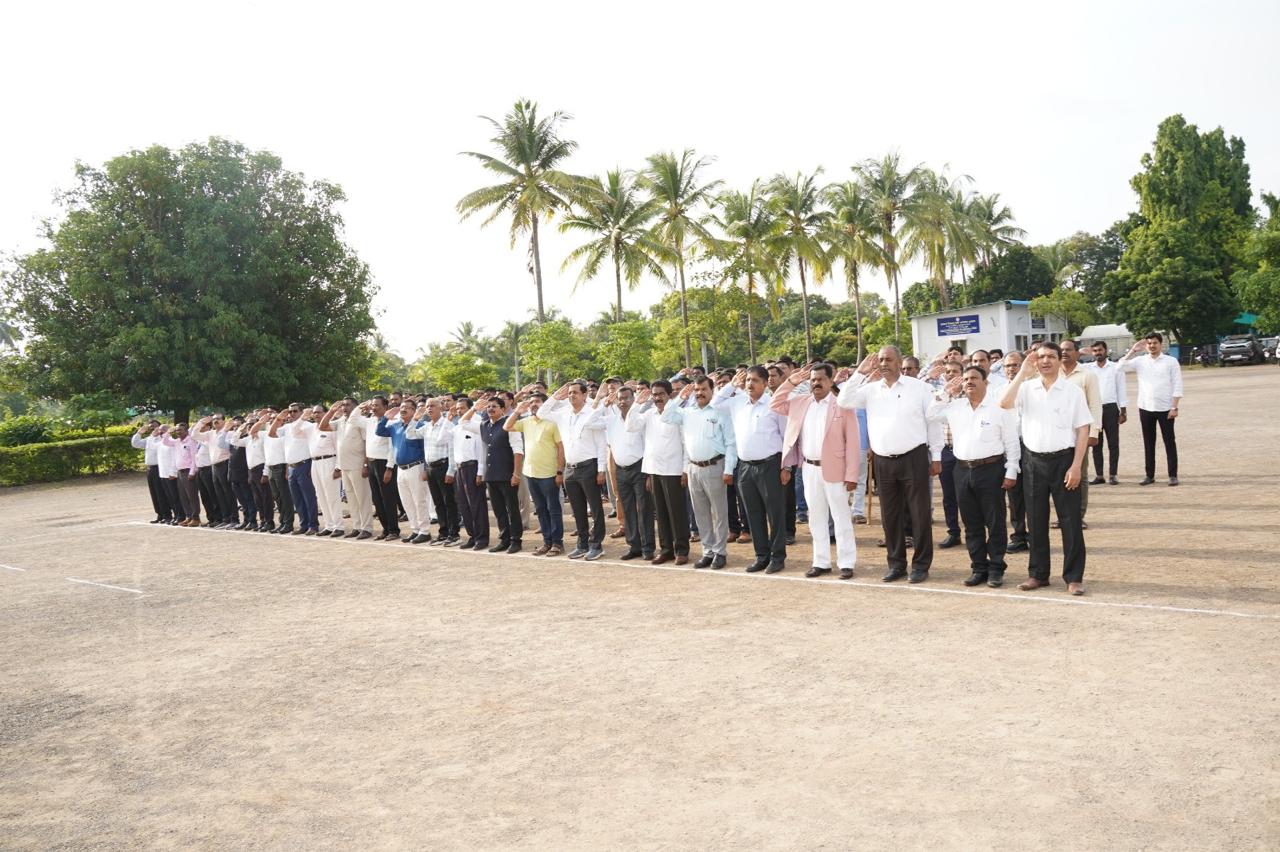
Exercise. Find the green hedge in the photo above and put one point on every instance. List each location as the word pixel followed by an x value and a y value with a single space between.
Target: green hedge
pixel 65 459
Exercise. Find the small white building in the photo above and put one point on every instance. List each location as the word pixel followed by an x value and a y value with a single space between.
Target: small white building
pixel 1117 338
pixel 1006 325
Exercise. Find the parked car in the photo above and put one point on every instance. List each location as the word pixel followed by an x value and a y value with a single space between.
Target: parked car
pixel 1240 349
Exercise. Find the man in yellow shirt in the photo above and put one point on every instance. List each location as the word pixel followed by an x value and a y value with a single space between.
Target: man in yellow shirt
pixel 543 470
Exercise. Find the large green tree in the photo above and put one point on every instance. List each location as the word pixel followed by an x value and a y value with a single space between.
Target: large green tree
pixel 1258 285
pixel 850 238
pixel 747 252
pixel 533 185
pixel 891 189
pixel 206 275
pixel 801 220
pixel 1017 273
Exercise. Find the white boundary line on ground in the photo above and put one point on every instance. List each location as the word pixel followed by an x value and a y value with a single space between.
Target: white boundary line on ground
pixel 1030 598
pixel 13 568
pixel 104 585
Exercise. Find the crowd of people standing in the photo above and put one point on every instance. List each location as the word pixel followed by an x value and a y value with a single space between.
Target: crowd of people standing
pixel 740 455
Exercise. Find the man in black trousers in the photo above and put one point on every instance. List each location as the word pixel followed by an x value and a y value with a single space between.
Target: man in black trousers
pixel 1011 364
pixel 504 455
pixel 1055 423
pixel 382 473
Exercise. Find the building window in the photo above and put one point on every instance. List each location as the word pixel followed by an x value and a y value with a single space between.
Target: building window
pixel 1020 342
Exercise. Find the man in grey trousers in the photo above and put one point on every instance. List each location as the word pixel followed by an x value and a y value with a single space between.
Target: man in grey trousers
pixel 713 455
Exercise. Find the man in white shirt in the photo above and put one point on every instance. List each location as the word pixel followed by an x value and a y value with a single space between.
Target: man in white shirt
pixel 277 470
pixel 762 480
pixel 259 480
pixel 348 425
pixel 906 451
pixel 147 439
pixel 1055 424
pixel 325 476
pixel 664 464
pixel 382 470
pixel 1159 392
pixel 707 433
pixel 220 503
pixel 294 425
pixel 468 479
pixel 995 376
pixel 984 439
pixel 436 434
pixel 585 462
pixel 1111 386
pixel 635 502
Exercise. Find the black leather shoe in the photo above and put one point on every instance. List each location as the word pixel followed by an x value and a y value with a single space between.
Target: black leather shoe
pixel 815 571
pixel 1097 480
pixel 420 538
pixel 996 579
pixel 629 555
pixel 500 546
pixel 1173 480
pixel 1147 481
pixel 846 573
pixel 515 547
pixel 704 562
pixel 324 532
pixel 310 532
pixel 975 579
pixel 408 538
pixel 758 565
pixel 364 534
pixel 918 576
pixel 467 545
pixel 775 566
pixel 1016 547
pixel 949 541
pixel 894 575
pixel 718 562
pixel 791 539
pixel 354 534
pixel 1113 481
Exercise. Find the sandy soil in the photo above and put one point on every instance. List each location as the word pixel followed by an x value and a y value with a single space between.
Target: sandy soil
pixel 256 692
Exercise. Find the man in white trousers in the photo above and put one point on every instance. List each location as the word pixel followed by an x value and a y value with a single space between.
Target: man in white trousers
pixel 349 425
pixel 830 445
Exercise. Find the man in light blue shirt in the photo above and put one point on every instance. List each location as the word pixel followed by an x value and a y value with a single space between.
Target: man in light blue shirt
pixel 707 433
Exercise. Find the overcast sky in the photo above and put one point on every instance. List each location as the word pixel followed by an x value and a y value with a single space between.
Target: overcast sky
pixel 1050 105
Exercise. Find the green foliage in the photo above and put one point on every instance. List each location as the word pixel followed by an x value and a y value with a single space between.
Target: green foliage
pixel 627 350
pixel 456 372
pixel 96 411
pixel 1071 305
pixel 1018 273
pixel 923 297
pixel 881 332
pixel 385 370
pixel 54 461
pixel 26 429
pixel 557 347
pixel 1257 286
pixel 207 274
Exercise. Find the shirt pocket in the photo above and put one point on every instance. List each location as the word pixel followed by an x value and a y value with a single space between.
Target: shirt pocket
pixel 988 431
pixel 710 428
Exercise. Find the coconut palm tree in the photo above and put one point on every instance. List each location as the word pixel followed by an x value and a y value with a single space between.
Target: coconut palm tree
pixel 850 236
pixel 673 182
pixel 530 153
pixel 993 227
pixel 1058 256
pixel 750 233
pixel 891 191
pixel 796 202
pixel 930 226
pixel 617 218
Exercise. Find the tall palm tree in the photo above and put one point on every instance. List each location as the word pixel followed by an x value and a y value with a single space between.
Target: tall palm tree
pixel 673 182
pixel 930 226
pixel 617 218
pixel 850 234
pixel 1058 256
pixel 469 340
pixel 750 233
pixel 993 227
pixel 530 152
pixel 964 233
pixel 509 338
pixel 891 191
pixel 796 202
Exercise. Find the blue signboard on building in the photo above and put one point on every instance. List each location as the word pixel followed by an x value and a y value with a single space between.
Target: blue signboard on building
pixel 955 326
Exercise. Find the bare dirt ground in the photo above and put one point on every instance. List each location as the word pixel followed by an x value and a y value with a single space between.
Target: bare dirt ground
pixel 246 691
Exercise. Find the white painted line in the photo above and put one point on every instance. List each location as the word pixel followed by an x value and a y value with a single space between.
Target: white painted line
pixel 105 586
pixel 13 568
pixel 898 587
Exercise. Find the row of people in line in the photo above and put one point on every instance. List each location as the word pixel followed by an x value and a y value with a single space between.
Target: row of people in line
pixel 660 453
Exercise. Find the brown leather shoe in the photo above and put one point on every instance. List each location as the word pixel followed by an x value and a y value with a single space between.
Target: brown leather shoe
pixel 745 538
pixel 1076 589
pixel 682 560
pixel 1031 584
pixel 618 533
pixel 733 537
pixel 661 559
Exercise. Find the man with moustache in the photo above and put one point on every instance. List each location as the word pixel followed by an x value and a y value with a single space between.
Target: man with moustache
pixel 435 430
pixel 408 456
pixel 348 425
pixel 1087 381
pixel 664 464
pixel 503 455
pixel 1011 364
pixel 543 469
pixel 987 457
pixel 626 449
pixel 294 425
pixel 585 463
pixel 383 491
pixel 469 461
pixel 1115 399
pixel 708 443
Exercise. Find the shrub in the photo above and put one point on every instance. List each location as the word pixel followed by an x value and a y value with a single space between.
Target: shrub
pixel 27 429
pixel 56 460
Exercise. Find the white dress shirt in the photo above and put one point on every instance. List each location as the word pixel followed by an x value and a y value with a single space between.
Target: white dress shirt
pixel 1111 384
pixel 297 448
pixel 320 443
pixel 896 416
pixel 149 445
pixel 254 449
pixel 437 440
pixel 214 452
pixel 350 440
pixel 664 453
pixel 981 432
pixel 1159 380
pixel 272 448
pixel 627 447
pixel 757 430
pixel 1050 417
pixel 166 459
pixel 582 432
pixel 467 447
pixel 814 429
pixel 375 446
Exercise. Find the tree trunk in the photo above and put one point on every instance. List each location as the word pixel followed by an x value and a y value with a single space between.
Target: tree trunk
pixel 857 311
pixel 537 269
pixel 617 274
pixel 804 304
pixel 751 340
pixel 515 360
pixel 897 311
pixel 181 411
pixel 684 308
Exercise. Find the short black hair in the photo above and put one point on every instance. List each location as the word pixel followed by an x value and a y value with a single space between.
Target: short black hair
pixel 1155 335
pixel 759 372
pixel 661 383
pixel 823 368
pixel 1101 343
pixel 380 398
pixel 538 395
pixel 993 352
pixel 1049 344
pixel 976 369
pixel 952 348
pixel 707 379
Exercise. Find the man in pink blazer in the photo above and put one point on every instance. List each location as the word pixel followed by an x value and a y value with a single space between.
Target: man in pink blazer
pixel 826 437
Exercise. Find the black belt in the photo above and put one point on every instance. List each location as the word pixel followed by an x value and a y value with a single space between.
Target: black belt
pixel 322 458
pixel 465 463
pixel 978 462
pixel 634 464
pixel 593 462
pixel 438 462
pixel 409 465
pixel 765 460
pixel 900 455
pixel 1053 455
pixel 708 462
